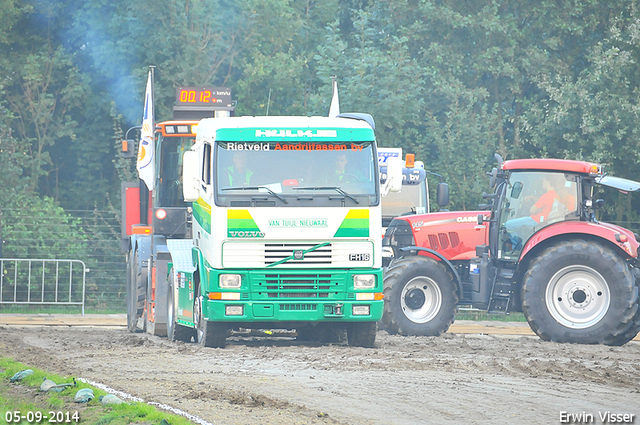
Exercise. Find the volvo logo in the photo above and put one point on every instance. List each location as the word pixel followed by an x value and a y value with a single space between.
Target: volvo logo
pixel 298 254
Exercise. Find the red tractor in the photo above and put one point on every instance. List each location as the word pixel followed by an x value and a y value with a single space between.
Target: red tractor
pixel 539 250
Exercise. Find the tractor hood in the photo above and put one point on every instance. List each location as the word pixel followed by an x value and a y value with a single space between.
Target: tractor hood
pixel 445 218
pixel 454 234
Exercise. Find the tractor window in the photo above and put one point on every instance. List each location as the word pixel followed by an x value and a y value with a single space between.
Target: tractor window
pixel 533 200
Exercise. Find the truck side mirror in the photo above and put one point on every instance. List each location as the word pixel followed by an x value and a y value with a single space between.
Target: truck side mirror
pixel 394 176
pixel 442 194
pixel 190 171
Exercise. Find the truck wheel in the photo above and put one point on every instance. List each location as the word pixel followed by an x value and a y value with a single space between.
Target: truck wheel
pixel 175 331
pixel 581 292
pixel 420 297
pixel 136 291
pixel 321 333
pixel 362 334
pixel 208 334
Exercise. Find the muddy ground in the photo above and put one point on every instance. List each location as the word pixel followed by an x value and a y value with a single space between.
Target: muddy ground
pixel 452 379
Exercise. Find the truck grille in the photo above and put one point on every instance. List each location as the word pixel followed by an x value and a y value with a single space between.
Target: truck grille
pixel 280 254
pixel 308 286
pixel 274 252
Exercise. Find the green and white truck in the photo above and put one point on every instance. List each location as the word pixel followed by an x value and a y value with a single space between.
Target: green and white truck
pixel 283 236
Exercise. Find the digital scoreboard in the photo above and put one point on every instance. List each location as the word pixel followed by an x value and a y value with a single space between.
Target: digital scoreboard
pixel 203 96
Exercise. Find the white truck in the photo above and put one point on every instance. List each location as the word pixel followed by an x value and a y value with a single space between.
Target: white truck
pixel 280 244
pixel 413 198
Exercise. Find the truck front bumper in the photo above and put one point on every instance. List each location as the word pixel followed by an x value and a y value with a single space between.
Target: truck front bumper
pixel 261 311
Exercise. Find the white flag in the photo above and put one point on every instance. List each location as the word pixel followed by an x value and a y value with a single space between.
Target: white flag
pixel 334 109
pixel 145 165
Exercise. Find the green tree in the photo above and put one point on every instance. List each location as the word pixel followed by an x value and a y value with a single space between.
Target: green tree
pixel 46 87
pixel 456 81
pixel 34 227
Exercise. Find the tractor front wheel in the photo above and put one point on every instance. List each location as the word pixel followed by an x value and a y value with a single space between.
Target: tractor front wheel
pixel 420 297
pixel 581 292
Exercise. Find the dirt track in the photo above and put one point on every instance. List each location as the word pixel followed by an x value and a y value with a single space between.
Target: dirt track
pixel 456 378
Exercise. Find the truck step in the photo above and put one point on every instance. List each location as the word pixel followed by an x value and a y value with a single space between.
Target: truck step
pixel 501 292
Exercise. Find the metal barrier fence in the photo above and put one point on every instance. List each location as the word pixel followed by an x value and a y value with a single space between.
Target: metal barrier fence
pixel 42 282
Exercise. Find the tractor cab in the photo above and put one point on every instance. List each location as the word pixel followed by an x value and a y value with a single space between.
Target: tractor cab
pixel 533 194
pixel 542 252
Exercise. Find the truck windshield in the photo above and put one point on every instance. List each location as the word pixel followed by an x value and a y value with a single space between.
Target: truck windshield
pixel 169 151
pixel 412 199
pixel 295 174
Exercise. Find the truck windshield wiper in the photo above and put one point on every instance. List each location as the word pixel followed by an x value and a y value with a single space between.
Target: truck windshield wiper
pixel 336 188
pixel 271 192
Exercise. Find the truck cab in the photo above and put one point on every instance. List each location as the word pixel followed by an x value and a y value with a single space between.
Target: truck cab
pixel 413 197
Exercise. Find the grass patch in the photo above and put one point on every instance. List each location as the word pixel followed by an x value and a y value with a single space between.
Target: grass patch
pixel 25 397
pixel 479 315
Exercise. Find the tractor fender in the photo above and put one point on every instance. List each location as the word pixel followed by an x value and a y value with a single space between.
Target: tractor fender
pixel 444 260
pixel 603 231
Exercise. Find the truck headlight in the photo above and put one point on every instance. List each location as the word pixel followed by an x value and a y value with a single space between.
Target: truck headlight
pixel 230 281
pixel 364 281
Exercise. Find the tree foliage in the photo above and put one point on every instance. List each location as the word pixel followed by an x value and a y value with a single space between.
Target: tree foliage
pixel 452 81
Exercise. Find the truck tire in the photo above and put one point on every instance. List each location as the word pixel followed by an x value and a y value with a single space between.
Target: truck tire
pixel 420 297
pixel 208 334
pixel 175 331
pixel 321 333
pixel 150 326
pixel 136 291
pixel 581 292
pixel 362 334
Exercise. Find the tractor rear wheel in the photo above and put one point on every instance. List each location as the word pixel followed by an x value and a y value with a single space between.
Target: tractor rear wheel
pixel 175 331
pixel 581 292
pixel 420 297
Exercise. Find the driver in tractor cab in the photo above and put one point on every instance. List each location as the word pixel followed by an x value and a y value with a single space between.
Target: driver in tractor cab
pixel 551 206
